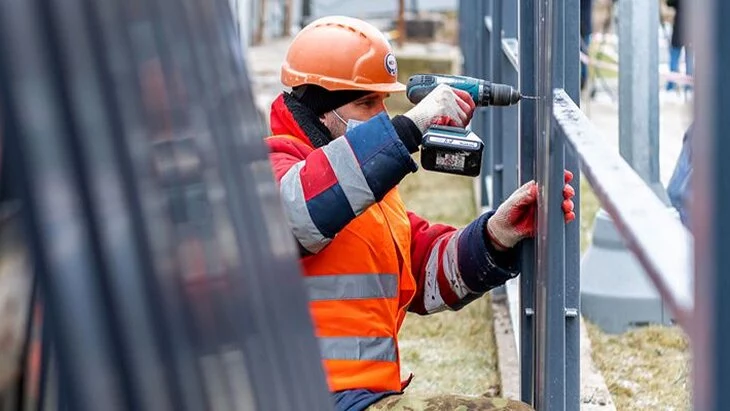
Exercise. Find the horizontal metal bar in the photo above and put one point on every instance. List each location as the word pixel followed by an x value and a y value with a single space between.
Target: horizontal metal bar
pixel 488 23
pixel 511 49
pixel 660 242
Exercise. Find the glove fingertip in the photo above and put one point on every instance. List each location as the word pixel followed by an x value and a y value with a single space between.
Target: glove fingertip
pixel 568 206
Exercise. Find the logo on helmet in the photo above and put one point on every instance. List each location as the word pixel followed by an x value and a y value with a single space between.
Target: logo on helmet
pixel 391 65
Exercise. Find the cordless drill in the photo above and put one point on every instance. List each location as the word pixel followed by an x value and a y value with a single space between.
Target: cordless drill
pixel 456 150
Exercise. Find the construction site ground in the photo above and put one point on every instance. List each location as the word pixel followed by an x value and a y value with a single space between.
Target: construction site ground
pixel 457 352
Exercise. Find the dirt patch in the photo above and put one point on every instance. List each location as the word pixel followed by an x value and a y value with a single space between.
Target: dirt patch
pixel 449 352
pixel 646 368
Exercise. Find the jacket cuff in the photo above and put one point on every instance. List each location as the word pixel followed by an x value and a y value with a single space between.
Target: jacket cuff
pixel 408 132
pixel 482 266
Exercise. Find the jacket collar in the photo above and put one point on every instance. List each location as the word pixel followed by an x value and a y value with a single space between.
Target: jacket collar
pixel 290 117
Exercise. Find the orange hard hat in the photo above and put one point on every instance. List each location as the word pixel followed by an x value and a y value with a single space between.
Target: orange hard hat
pixel 341 53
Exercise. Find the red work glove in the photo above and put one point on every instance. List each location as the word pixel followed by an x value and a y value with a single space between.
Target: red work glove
pixel 445 106
pixel 514 219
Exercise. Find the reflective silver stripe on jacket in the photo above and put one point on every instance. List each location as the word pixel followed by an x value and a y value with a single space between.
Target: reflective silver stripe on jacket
pixel 295 208
pixel 358 348
pixel 351 180
pixel 351 286
pixel 349 175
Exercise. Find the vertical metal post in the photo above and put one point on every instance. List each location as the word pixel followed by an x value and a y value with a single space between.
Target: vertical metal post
pixel 306 12
pixel 510 114
pixel 496 132
pixel 462 34
pixel 401 22
pixel 528 109
pixel 572 233
pixel 549 280
pixel 509 19
pixel 484 56
pixel 466 35
pixel 711 200
pixel 639 87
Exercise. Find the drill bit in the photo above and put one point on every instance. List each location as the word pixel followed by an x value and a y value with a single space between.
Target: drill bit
pixel 530 97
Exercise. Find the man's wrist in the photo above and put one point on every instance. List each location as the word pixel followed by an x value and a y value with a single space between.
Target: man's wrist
pixel 494 239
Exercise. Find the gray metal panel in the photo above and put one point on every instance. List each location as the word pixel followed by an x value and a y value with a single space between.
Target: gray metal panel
pixel 163 258
pixel 528 112
pixel 711 201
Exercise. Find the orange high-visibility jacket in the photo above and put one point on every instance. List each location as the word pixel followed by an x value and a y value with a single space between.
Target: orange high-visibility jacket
pixel 366 260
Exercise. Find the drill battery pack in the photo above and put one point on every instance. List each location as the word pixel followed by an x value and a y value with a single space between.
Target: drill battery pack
pixel 452 150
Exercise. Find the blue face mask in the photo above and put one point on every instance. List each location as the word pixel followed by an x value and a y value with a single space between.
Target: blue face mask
pixel 350 124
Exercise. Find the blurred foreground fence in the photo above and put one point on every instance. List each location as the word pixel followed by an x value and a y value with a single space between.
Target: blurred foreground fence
pixel 167 277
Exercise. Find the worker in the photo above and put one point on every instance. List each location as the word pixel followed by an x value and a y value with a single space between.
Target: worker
pixel 338 157
pixel 679 188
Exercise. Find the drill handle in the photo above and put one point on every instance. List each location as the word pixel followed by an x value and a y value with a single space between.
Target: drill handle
pixel 419 85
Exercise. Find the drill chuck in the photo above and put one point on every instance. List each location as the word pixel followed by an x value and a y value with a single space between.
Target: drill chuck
pixel 503 95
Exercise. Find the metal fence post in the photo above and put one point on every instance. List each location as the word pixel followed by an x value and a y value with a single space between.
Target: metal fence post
pixel 549 280
pixel 510 115
pixel 496 132
pixel 711 200
pixel 527 112
pixel 639 88
pixel 572 233
pixel 482 13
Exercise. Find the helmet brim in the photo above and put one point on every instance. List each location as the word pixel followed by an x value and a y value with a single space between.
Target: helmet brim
pixel 291 78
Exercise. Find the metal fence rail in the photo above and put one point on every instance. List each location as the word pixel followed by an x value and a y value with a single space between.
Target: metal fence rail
pixel 659 240
pixel 537 140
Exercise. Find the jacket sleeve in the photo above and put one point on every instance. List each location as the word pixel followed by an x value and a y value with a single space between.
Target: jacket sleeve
pixel 334 184
pixel 454 267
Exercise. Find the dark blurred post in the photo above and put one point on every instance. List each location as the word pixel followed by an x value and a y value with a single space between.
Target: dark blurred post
pixel 261 22
pixel 401 22
pixel 306 12
pixel 286 30
pixel 710 219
